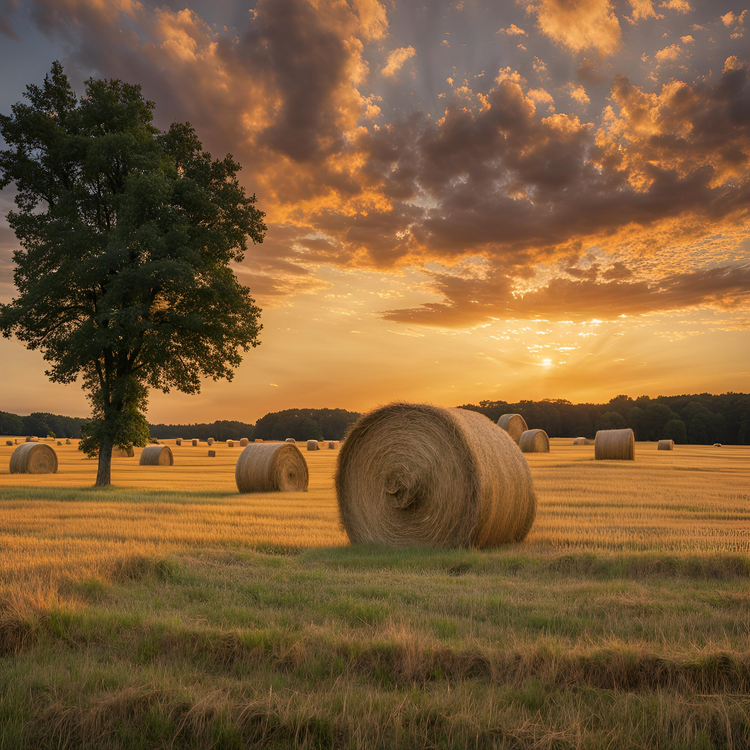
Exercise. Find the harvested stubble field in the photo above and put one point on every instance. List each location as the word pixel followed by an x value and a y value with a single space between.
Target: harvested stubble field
pixel 170 611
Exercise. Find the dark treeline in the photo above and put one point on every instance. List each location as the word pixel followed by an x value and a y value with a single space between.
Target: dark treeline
pixel 219 430
pixel 699 418
pixel 41 425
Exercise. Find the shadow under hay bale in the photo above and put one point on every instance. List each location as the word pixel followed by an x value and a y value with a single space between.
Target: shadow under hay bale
pixel 33 458
pixel 313 445
pixel 271 467
pixel 665 445
pixel 157 455
pixel 123 452
pixel 514 424
pixel 534 441
pixel 420 474
pixel 615 445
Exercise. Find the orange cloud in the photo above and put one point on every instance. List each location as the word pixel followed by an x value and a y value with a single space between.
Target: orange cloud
pixel 396 60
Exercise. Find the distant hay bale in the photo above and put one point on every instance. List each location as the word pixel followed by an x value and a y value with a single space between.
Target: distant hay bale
pixel 32 439
pixel 178 441
pixel 230 443
pixel 244 442
pixel 420 474
pixel 157 455
pixel 514 424
pixel 290 440
pixel 212 454
pixel 258 440
pixel 313 445
pixel 271 467
pixel 124 452
pixel 665 445
pixel 9 442
pixel 579 441
pixel 614 445
pixel 195 443
pixel 534 441
pixel 67 442
pixel 332 444
pixel 59 442
pixel 33 458
pixel 210 441
pixel 717 445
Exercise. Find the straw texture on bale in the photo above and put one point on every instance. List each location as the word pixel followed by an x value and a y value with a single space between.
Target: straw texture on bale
pixel 534 441
pixel 421 474
pixel 614 445
pixel 33 458
pixel 157 455
pixel 178 441
pixel 271 467
pixel 244 442
pixel 514 424
pixel 195 443
pixel 665 445
pixel 290 440
pixel 212 454
pixel 123 453
pixel 230 443
pixel 313 445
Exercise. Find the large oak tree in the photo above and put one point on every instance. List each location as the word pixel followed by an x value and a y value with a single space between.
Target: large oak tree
pixel 127 238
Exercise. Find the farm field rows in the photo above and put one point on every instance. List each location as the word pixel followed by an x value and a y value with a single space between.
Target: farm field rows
pixel 170 611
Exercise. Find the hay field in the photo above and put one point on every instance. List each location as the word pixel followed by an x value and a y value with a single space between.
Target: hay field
pixel 170 611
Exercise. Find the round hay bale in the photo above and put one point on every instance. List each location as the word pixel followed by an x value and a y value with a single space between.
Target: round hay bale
pixel 271 467
pixel 178 441
pixel 195 443
pixel 210 441
pixel 579 441
pixel 290 440
pixel 33 458
pixel 313 445
pixel 615 445
pixel 32 439
pixel 123 452
pixel 212 454
pixel 230 443
pixel 665 445
pixel 157 455
pixel 59 442
pixel 514 424
pixel 534 441
pixel 332 444
pixel 67 442
pixel 421 474
pixel 717 445
pixel 9 442
pixel 258 440
pixel 244 442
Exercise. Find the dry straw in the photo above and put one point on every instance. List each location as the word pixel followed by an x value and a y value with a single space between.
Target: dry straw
pixel 534 441
pixel 421 474
pixel 124 452
pixel 33 458
pixel 271 467
pixel 290 440
pixel 212 454
pixel 313 445
pixel 614 445
pixel 157 455
pixel 514 424
pixel 210 441
pixel 244 442
pixel 665 445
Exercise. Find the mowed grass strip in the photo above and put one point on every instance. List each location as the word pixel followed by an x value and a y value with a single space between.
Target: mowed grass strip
pixel 192 616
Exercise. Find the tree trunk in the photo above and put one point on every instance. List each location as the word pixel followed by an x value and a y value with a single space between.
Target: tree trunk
pixel 104 472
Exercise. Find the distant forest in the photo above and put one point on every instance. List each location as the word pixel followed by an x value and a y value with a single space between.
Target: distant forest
pixel 700 418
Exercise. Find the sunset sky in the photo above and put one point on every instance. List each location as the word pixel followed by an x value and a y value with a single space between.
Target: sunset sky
pixel 465 200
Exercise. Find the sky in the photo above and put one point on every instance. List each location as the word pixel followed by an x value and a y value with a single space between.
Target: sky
pixel 465 200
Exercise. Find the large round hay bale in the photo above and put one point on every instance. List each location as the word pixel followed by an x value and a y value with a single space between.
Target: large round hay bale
pixel 579 441
pixel 33 458
pixel 210 441
pixel 244 442
pixel 271 467
pixel 421 474
pixel 665 445
pixel 313 445
pixel 157 455
pixel 514 424
pixel 534 441
pixel 123 452
pixel 230 443
pixel 291 440
pixel 615 445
